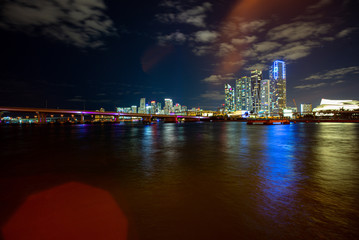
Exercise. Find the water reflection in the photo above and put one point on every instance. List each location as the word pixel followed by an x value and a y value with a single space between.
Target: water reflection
pixel 279 178
pixel 336 176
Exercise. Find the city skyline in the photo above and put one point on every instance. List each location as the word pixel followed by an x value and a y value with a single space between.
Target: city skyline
pixel 92 54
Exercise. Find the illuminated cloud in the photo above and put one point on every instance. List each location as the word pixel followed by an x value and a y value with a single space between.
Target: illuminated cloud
pixel 253 26
pixel 225 48
pixel 309 86
pixel 291 51
pixel 345 32
pixel 334 74
pixel 219 79
pixel 79 23
pixel 298 31
pixel 202 50
pixel 266 46
pixel 205 36
pixel 319 4
pixel 176 37
pixel 193 16
pixel 244 40
pixel 213 95
pixel 257 66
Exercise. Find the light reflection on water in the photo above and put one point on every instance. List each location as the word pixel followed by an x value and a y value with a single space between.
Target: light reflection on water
pixel 200 180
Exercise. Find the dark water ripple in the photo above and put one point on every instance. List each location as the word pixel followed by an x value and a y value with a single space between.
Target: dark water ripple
pixel 198 180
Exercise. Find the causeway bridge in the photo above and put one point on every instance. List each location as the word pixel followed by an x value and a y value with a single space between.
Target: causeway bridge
pixel 146 118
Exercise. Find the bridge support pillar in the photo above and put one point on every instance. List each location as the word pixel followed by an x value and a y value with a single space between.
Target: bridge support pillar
pixel 117 118
pixel 170 120
pixel 82 121
pixel 147 120
pixel 1 113
pixel 41 118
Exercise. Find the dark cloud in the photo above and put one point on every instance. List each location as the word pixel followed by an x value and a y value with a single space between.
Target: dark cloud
pixel 193 16
pixel 82 23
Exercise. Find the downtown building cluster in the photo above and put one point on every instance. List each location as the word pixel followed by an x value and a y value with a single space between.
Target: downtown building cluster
pixel 154 107
pixel 258 96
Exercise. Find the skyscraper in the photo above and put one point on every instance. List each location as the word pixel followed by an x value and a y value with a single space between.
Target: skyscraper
pixel 153 107
pixel 279 87
pixel 168 108
pixel 229 98
pixel 134 109
pixel 265 97
pixel 142 108
pixel 243 94
pixel 256 78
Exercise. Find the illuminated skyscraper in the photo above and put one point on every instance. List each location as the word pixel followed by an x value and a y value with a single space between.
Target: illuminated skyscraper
pixel 168 108
pixel 158 107
pixel 177 108
pixel 265 90
pixel 142 108
pixel 134 109
pixel 229 98
pixel 256 78
pixel 243 94
pixel 153 107
pixel 279 87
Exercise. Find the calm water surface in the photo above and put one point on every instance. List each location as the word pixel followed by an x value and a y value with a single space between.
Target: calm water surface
pixel 224 180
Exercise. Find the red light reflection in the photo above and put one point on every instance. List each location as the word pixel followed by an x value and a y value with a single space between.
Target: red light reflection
pixel 69 211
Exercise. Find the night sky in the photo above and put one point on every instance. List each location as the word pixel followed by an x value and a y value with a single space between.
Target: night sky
pixel 95 53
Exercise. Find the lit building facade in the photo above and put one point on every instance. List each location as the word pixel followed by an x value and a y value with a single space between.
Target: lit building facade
pixel 330 105
pixel 256 78
pixel 279 86
pixel 134 108
pixel 229 98
pixel 142 108
pixel 305 108
pixel 265 97
pixel 168 108
pixel 153 107
pixel 243 94
pixel 177 108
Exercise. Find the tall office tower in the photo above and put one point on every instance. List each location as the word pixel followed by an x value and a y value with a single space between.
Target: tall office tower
pixel 177 108
pixel 243 94
pixel 279 87
pixel 266 97
pixel 142 108
pixel 168 106
pixel 134 109
pixel 148 109
pixel 153 107
pixel 256 78
pixel 229 98
pixel 158 107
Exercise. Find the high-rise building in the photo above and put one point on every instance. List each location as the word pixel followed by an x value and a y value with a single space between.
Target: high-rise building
pixel 168 108
pixel 256 78
pixel 134 108
pixel 142 108
pixel 243 94
pixel 158 107
pixel 153 107
pixel 229 98
pixel 177 108
pixel 265 97
pixel 279 87
pixel 305 108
